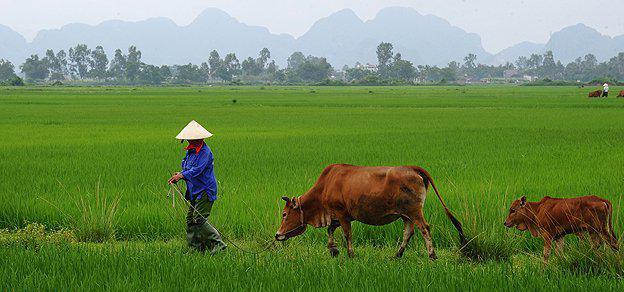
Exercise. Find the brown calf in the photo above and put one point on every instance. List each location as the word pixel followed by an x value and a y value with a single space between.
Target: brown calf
pixel 621 94
pixel 371 195
pixel 553 218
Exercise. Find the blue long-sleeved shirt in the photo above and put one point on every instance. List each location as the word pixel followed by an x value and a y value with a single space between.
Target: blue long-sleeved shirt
pixel 198 172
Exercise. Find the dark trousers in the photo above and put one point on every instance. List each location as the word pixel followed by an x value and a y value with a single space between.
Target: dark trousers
pixel 200 234
pixel 605 94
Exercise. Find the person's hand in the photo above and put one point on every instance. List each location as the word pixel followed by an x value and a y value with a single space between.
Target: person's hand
pixel 175 178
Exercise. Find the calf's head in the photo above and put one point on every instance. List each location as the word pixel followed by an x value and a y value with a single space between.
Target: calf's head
pixel 519 215
pixel 292 220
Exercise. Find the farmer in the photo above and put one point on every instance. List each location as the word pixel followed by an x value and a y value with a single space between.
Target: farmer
pixel 605 90
pixel 201 189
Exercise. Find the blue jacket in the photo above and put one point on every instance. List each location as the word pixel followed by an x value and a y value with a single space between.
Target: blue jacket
pixel 198 172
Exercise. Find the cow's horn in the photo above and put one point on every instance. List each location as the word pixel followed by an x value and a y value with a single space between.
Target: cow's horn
pixel 287 199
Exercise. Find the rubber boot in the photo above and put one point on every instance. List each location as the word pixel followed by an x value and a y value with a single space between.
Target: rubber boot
pixel 194 238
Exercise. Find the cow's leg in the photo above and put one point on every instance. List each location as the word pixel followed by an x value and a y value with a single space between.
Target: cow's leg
pixel 407 235
pixel 426 233
pixel 330 242
pixel 346 229
pixel 559 245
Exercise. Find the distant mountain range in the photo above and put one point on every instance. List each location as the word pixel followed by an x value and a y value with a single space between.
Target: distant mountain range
pixel 568 44
pixel 342 38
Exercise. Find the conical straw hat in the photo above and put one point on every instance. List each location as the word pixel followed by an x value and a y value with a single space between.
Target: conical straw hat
pixel 193 131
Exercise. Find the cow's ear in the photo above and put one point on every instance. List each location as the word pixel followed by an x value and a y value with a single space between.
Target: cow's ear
pixel 523 201
pixel 294 202
pixel 287 199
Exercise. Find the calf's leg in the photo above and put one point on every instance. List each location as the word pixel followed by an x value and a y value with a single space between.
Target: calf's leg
pixel 547 248
pixel 595 239
pixel 610 238
pixel 559 245
pixel 330 243
pixel 407 235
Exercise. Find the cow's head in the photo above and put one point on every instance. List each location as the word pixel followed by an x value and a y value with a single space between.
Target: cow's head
pixel 519 214
pixel 292 220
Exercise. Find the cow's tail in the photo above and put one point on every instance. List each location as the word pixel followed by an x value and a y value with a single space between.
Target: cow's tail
pixel 456 223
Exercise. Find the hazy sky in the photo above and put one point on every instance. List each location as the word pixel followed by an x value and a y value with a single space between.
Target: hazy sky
pixel 501 23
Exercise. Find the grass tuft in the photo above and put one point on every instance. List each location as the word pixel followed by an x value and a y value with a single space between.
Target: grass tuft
pixel 482 249
pixel 96 220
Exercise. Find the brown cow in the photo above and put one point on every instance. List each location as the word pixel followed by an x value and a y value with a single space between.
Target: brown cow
pixel 371 195
pixel 553 218
pixel 621 94
pixel 596 93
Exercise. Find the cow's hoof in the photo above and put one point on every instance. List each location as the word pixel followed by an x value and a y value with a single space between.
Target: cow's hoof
pixel 433 257
pixel 334 252
pixel 351 254
pixel 398 255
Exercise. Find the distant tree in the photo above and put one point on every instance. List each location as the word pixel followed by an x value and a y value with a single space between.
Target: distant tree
pixel 61 58
pixel 79 61
pixel 189 74
pixel 263 58
pixel 295 60
pixel 204 70
pixel 589 62
pixel 117 67
pixel 401 69
pixel 280 75
pixel 549 59
pixel 454 65
pixel 54 66
pixel 232 65
pixel 7 70
pixel 35 69
pixel 448 74
pixel 573 70
pixel 165 72
pixel 616 66
pixel 384 57
pixel 522 63
pixel 470 62
pixel 57 64
pixel 313 69
pixel 133 63
pixel 271 68
pixel 98 63
pixel 249 67
pixel 223 74
pixel 215 62
pixel 535 61
pixel 150 74
pixel 15 81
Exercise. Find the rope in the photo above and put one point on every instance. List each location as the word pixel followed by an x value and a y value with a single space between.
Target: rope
pixel 174 188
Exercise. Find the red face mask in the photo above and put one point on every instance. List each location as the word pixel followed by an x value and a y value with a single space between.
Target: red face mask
pixel 195 144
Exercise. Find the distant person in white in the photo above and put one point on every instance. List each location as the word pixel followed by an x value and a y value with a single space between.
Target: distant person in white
pixel 605 90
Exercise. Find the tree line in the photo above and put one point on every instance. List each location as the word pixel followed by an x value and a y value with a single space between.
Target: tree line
pixel 82 64
pixel 391 68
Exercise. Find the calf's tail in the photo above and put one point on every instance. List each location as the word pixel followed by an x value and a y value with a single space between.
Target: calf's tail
pixel 456 223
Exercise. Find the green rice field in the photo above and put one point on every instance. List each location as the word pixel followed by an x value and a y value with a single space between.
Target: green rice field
pixel 84 196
